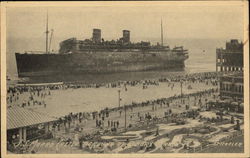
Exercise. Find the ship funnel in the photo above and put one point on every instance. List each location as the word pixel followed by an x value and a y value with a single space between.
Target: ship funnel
pixel 96 37
pixel 126 36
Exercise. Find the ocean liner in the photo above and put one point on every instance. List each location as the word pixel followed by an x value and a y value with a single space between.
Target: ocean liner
pixel 96 55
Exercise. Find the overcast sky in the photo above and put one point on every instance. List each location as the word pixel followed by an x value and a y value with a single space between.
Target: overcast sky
pixel 180 20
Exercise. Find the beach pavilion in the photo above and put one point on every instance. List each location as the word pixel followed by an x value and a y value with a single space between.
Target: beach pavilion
pixel 25 124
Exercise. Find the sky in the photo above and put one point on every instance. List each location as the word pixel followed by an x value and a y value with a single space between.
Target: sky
pixel 183 20
pixel 25 24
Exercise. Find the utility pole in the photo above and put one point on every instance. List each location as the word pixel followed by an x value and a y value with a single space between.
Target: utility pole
pixel 125 115
pixel 51 35
pixel 181 88
pixel 119 98
pixel 125 112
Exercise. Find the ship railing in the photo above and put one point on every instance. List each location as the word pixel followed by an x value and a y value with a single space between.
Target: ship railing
pixel 38 52
pixel 34 52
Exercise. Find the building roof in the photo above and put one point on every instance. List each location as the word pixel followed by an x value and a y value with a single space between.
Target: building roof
pixel 22 117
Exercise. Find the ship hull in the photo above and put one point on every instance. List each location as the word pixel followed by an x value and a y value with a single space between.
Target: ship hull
pixel 29 65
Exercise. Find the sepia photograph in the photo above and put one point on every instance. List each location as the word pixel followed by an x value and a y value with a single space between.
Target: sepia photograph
pixel 162 78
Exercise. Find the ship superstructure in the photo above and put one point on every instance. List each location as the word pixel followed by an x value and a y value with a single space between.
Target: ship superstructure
pixel 96 43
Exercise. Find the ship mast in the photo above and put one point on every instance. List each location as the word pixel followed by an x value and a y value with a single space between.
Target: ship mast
pixel 51 35
pixel 47 34
pixel 161 34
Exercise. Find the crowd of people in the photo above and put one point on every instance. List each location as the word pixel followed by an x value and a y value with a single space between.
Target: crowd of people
pixel 170 117
pixel 195 77
pixel 102 119
pixel 38 93
pixel 36 96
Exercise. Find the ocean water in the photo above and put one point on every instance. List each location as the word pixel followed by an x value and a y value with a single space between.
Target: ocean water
pixel 202 58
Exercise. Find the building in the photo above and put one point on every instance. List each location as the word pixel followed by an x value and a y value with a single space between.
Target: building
pixel 232 91
pixel 232 86
pixel 230 58
pixel 24 124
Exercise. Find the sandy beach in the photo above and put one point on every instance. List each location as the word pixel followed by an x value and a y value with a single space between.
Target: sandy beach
pixel 62 102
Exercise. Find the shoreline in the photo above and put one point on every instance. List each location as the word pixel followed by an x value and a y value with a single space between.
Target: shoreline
pixel 171 75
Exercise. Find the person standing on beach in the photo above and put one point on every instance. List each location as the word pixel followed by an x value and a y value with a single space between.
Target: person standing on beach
pixel 100 123
pixel 96 123
pixel 117 124
pixel 111 124
pixel 120 113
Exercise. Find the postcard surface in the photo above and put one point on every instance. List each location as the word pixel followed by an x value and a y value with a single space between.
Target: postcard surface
pixel 127 79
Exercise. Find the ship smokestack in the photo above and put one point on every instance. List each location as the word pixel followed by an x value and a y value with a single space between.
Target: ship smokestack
pixel 96 37
pixel 126 36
